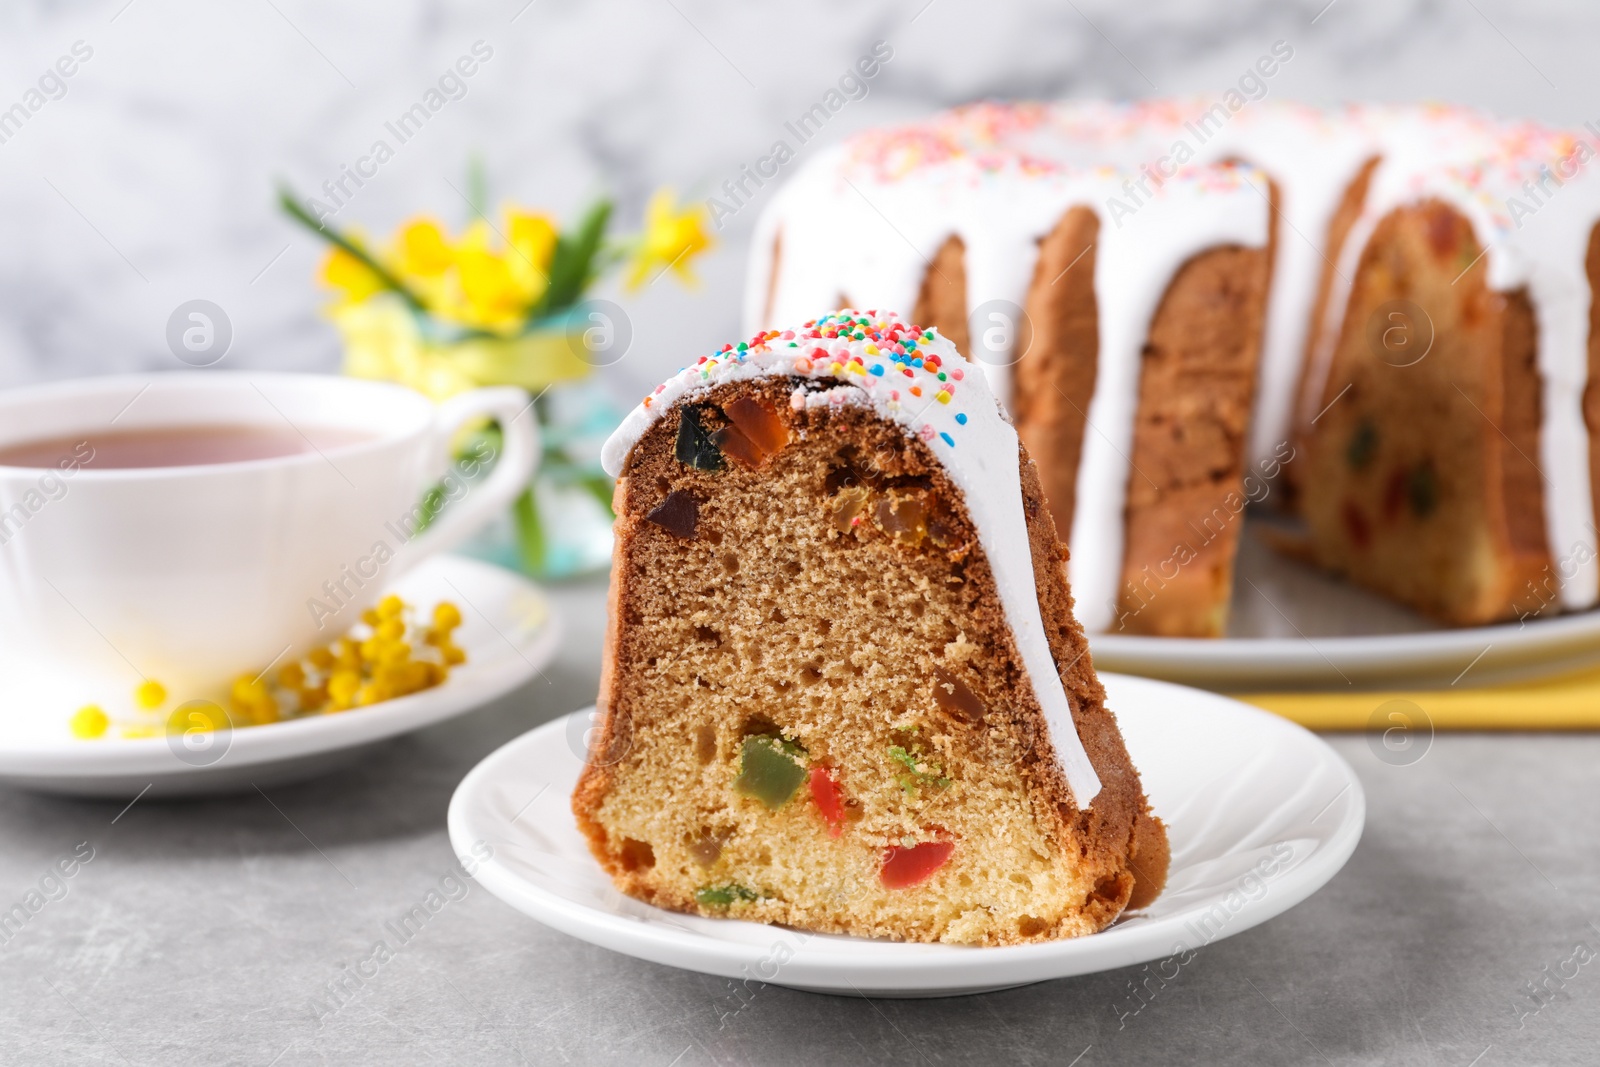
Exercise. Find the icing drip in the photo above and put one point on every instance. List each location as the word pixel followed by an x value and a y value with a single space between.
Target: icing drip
pixel 916 378
pixel 864 221
pixel 871 214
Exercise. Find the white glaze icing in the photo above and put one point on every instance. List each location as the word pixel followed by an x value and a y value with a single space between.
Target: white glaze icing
pixel 967 431
pixel 869 216
pixel 864 220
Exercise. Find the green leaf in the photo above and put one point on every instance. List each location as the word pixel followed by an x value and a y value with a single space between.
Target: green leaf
pixel 291 207
pixel 530 531
pixel 601 488
pixel 572 264
pixel 477 187
pixel 432 504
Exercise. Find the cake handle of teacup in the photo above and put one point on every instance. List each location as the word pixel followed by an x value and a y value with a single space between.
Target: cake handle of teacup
pixel 482 500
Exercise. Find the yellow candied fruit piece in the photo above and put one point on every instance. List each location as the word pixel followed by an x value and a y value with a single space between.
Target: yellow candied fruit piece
pixel 349 657
pixel 391 630
pixel 392 654
pixel 90 722
pixel 320 658
pixel 371 617
pixel 452 653
pixel 342 688
pixel 150 694
pixel 390 607
pixel 368 694
pixel 372 648
pixel 446 616
pixel 292 676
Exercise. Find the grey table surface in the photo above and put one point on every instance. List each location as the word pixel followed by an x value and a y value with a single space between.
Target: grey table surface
pixel 1464 931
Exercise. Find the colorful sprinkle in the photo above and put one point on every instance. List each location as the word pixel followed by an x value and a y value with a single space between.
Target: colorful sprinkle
pixel 846 343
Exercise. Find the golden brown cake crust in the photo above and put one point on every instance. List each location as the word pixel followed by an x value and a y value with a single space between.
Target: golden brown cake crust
pixel 665 604
pixel 1196 390
pixel 942 302
pixel 1055 377
pixel 1186 494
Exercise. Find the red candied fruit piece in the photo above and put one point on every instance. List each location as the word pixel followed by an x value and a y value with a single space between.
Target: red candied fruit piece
pixel 830 801
pixel 754 432
pixel 736 446
pixel 1394 495
pixel 906 867
pixel 1355 524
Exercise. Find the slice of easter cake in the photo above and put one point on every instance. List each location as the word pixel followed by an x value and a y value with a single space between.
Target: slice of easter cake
pixel 843 686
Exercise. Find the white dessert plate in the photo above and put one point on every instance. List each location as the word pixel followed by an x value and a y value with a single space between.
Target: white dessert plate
pixel 507 632
pixel 1261 814
pixel 1293 626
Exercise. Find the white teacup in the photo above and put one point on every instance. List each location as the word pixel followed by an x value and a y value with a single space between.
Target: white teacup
pixel 194 575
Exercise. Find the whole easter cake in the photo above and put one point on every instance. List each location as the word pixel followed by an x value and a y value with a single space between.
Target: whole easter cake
pixel 1378 314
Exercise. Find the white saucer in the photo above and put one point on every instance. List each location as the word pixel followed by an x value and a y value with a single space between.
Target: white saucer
pixel 507 632
pixel 1294 626
pixel 1239 789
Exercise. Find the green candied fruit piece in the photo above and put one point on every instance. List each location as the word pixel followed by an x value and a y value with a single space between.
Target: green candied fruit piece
pixel 919 769
pixel 721 896
pixel 1422 488
pixel 1363 445
pixel 770 770
pixel 695 447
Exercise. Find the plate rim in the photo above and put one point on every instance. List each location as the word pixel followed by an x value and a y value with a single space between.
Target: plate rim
pixel 1556 640
pixel 311 736
pixel 908 966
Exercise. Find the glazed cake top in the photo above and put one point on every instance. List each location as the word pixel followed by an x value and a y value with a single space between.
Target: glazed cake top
pixel 1169 179
pixel 916 378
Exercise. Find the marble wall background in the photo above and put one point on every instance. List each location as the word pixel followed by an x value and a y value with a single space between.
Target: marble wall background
pixel 149 181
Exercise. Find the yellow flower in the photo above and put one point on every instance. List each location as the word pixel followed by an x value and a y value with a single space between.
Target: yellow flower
pixel 489 290
pixel 346 273
pixel 422 249
pixel 533 242
pixel 150 694
pixel 672 238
